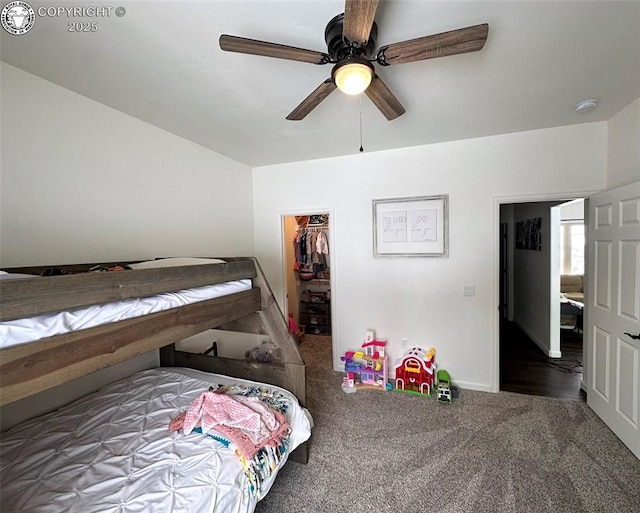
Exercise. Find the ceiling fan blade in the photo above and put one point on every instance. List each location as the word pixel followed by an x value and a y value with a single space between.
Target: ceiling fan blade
pixel 358 19
pixel 255 47
pixel 383 98
pixel 312 101
pixel 469 39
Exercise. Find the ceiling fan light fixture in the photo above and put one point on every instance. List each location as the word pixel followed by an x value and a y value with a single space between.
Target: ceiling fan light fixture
pixel 586 106
pixel 352 75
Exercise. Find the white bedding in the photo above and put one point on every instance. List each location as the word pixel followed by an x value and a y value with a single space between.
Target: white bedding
pixel 21 331
pixel 112 452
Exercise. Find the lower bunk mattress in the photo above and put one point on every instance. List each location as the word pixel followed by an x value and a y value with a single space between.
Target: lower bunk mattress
pixel 112 451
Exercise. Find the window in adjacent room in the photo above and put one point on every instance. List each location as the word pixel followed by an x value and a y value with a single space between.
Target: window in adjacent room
pixel 572 247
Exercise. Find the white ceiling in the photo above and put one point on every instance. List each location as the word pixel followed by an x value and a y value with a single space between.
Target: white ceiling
pixel 161 63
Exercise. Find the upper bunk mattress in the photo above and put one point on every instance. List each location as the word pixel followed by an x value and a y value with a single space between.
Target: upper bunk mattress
pixel 20 331
pixel 112 451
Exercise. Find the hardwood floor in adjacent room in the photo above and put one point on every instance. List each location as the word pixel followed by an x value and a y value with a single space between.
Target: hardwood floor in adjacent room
pixel 526 369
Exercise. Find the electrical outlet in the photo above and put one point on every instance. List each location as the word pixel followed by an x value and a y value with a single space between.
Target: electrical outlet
pixel 405 344
pixel 469 290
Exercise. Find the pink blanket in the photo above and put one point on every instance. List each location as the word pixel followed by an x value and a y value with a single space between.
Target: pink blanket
pixel 248 423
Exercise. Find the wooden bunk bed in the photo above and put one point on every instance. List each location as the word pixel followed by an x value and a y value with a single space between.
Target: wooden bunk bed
pixel 32 367
pixel 27 369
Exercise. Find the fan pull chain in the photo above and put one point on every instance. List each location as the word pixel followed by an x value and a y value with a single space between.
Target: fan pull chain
pixel 361 148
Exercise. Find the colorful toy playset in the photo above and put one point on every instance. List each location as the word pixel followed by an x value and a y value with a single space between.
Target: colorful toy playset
pixel 415 371
pixel 366 368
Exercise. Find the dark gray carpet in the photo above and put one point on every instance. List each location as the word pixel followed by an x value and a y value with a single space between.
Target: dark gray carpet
pixel 379 452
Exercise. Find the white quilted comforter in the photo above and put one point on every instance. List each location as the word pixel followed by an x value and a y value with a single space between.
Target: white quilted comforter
pixel 112 452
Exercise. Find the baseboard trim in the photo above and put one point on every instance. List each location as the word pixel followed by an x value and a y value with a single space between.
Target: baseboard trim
pixel 544 348
pixel 473 386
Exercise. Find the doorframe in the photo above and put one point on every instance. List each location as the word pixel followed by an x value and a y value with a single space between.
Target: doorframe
pixel 332 274
pixel 498 201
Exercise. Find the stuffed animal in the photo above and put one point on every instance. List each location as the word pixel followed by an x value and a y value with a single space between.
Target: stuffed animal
pixel 266 352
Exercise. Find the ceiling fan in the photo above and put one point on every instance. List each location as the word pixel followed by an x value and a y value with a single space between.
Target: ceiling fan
pixel 351 42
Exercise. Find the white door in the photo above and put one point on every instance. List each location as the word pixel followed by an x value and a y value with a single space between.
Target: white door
pixel 612 361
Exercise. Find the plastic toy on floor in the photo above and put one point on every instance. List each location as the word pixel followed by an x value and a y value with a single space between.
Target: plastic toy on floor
pixel 367 368
pixel 444 387
pixel 348 384
pixel 415 371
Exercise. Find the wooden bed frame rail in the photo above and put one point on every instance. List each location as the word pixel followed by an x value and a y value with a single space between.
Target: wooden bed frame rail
pixel 29 368
pixel 28 298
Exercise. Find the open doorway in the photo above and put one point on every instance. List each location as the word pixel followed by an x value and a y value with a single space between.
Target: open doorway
pixel 540 338
pixel 307 261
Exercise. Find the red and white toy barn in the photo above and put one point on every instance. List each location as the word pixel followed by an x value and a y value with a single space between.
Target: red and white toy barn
pixel 416 370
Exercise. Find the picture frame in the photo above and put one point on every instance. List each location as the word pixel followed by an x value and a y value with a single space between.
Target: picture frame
pixel 412 226
pixel 529 234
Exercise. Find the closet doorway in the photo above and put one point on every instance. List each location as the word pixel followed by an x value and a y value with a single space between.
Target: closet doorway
pixel 307 261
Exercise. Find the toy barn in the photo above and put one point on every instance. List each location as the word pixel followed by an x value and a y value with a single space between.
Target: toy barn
pixel 415 371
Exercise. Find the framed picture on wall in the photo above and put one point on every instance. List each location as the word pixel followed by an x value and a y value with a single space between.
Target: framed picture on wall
pixel 529 234
pixel 415 226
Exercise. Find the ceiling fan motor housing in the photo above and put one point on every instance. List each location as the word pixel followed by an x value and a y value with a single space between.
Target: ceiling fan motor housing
pixel 339 48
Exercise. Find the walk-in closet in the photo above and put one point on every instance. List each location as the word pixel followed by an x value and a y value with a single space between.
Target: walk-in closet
pixel 308 272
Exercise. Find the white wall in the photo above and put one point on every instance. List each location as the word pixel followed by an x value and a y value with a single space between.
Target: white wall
pixel 82 182
pixel 572 210
pixel 422 298
pixel 534 278
pixel 624 146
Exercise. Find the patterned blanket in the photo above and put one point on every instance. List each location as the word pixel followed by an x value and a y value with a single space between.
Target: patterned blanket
pixel 248 420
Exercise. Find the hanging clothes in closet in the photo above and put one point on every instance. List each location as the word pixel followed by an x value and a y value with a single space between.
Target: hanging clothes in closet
pixel 311 250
